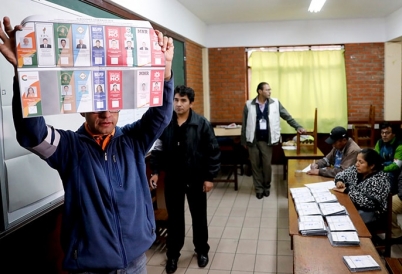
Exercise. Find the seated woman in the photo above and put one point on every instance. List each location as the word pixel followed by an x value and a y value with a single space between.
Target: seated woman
pixel 366 184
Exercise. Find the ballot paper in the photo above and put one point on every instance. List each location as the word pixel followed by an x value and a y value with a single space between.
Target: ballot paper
pixel 328 209
pixel 312 225
pixel 344 238
pixel 340 223
pixel 361 263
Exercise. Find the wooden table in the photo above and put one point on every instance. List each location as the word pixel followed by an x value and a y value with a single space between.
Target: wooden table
pixel 343 199
pixel 227 132
pixel 232 153
pixel 394 265
pixel 306 152
pixel 315 254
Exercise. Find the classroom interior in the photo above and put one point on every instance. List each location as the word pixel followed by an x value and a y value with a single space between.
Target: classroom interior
pixel 246 235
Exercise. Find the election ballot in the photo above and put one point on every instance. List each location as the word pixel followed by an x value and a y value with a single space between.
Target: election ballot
pixel 88 64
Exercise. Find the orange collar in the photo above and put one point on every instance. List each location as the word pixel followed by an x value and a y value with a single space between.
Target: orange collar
pixel 102 140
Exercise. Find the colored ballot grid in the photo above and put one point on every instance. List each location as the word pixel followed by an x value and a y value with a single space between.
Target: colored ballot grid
pixel 88 64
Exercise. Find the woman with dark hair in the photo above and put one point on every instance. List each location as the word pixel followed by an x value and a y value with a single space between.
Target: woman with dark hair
pixel 366 184
pixel 31 92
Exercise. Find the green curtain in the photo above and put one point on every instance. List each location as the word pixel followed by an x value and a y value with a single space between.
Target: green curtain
pixel 303 81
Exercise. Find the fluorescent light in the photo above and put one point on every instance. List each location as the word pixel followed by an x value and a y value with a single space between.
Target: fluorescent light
pixel 316 5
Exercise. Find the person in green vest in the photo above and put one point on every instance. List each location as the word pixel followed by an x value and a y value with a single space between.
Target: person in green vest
pixel 390 149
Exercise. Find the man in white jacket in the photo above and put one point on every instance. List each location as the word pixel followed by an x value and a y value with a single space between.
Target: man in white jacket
pixel 260 131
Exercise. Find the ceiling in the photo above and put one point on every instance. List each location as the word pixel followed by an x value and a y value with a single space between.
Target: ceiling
pixel 241 11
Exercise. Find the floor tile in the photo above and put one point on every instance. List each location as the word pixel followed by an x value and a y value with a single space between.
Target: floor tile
pixel 222 261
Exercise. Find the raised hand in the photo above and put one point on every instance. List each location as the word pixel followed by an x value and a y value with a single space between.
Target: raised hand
pixel 167 47
pixel 7 36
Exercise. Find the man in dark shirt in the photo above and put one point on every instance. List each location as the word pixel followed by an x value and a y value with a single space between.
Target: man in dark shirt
pixel 189 154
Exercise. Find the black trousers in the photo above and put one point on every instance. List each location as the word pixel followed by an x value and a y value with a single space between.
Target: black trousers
pixel 175 192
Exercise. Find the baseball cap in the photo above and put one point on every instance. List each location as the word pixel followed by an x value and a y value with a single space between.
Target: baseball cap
pixel 336 134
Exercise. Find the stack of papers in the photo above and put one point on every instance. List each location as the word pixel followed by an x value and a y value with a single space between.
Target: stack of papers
pixel 325 197
pixel 304 209
pixel 322 185
pixel 304 199
pixel 344 238
pixel 301 195
pixel 232 125
pixel 312 225
pixel 328 209
pixel 299 190
pixel 340 223
pixel 361 263
pixel 341 231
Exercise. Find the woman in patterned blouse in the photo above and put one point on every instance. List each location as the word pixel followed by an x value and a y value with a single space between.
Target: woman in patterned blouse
pixel 366 184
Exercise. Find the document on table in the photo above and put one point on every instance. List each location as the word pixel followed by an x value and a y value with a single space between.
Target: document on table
pixel 312 228
pixel 304 199
pixel 302 194
pixel 307 209
pixel 327 185
pixel 295 190
pixel 340 223
pixel 312 225
pixel 325 198
pixel 307 168
pixel 328 209
pixel 361 263
pixel 289 147
pixel 344 238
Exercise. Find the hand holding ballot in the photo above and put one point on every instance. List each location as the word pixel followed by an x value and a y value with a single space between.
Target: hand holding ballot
pixel 314 170
pixel 7 36
pixel 167 47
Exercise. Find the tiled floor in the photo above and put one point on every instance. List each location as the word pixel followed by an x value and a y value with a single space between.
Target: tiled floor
pixel 246 235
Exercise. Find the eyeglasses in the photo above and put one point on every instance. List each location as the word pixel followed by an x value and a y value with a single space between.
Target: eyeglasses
pixel 385 132
pixel 111 111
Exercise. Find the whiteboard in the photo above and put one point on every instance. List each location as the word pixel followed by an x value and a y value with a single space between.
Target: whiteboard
pixel 28 186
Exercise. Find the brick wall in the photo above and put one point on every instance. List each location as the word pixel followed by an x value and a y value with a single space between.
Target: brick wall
pixel 364 76
pixel 227 83
pixel 194 74
pixel 365 80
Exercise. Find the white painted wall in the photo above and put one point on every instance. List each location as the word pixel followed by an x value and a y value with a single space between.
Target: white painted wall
pixel 169 14
pixel 174 16
pixel 307 32
pixel 392 81
pixel 394 25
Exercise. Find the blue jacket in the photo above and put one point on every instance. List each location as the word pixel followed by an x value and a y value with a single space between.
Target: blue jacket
pixel 108 218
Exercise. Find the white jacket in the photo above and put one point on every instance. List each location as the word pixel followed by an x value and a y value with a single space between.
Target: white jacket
pixel 276 110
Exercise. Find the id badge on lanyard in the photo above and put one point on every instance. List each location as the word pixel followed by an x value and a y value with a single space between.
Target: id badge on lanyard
pixel 263 124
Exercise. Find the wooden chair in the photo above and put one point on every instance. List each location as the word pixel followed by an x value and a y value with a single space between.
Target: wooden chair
pixel 364 134
pixel 384 226
pixel 231 161
pixel 313 133
pixel 161 218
